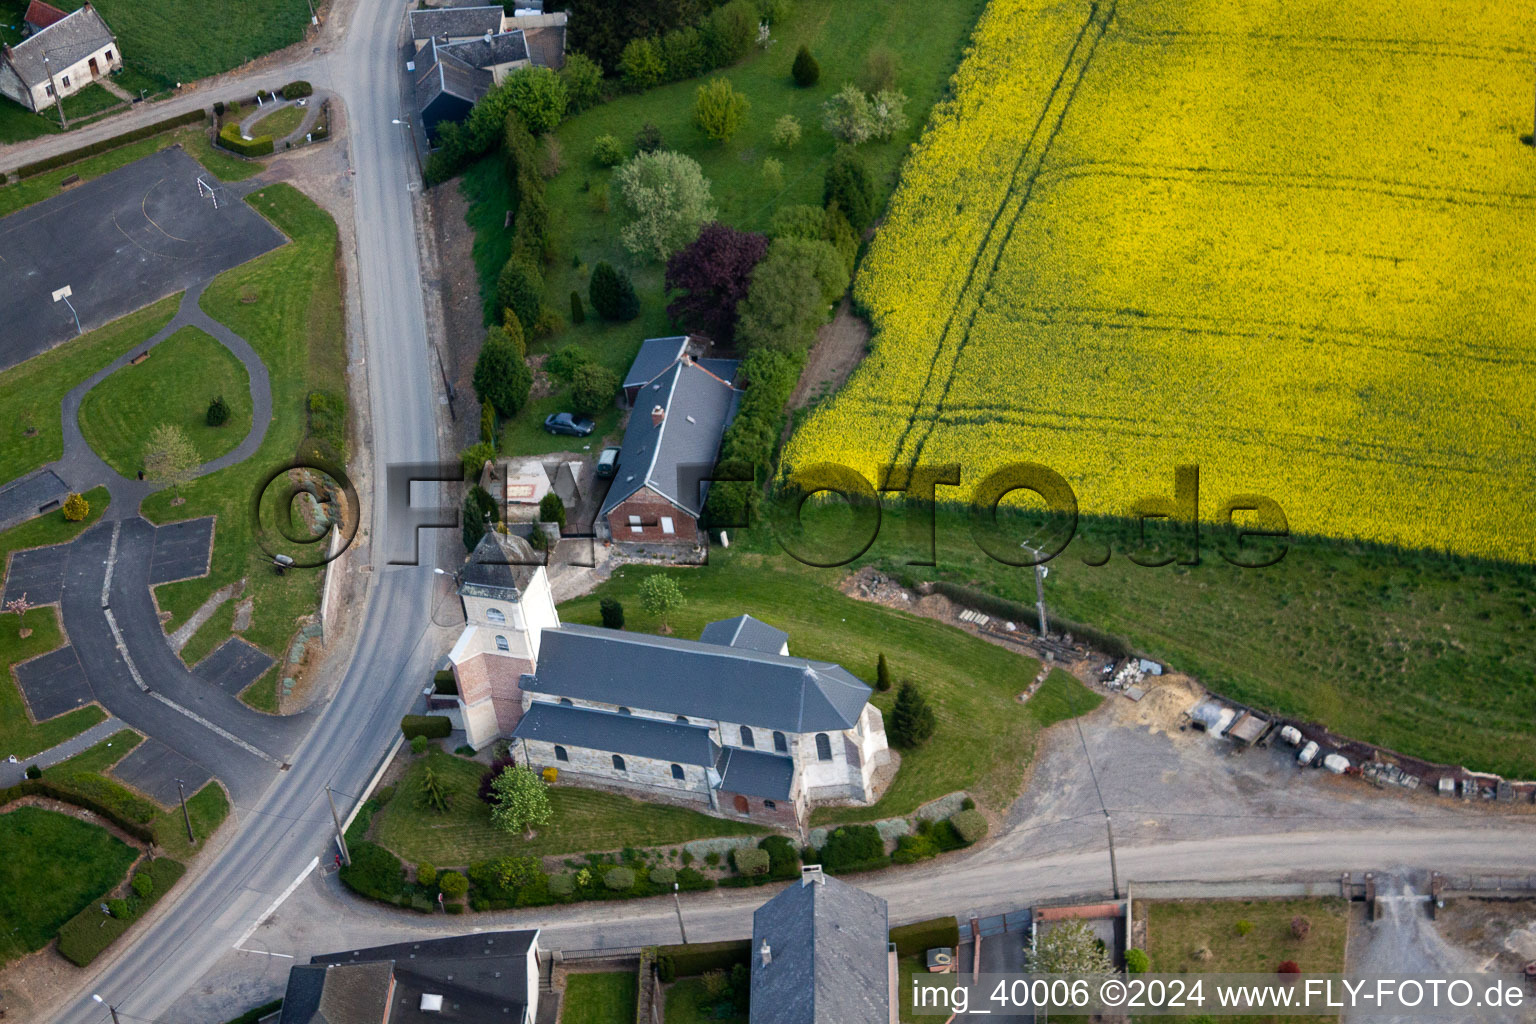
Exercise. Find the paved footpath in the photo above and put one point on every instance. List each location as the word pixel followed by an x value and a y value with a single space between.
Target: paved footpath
pixel 10 774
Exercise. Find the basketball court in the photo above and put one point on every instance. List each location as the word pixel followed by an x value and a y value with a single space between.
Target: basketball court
pixel 116 243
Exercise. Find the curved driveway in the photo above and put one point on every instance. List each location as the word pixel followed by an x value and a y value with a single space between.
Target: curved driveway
pixel 277 835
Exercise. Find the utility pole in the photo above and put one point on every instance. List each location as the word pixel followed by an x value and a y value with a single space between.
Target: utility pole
pixel 1040 574
pixel 53 87
pixel 677 905
pixel 184 816
pixel 341 840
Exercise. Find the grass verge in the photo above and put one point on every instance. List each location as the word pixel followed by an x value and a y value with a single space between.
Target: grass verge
pixel 606 998
pixel 54 865
pixel 584 820
pixel 287 304
pixel 280 123
pixel 31 392
pixel 175 385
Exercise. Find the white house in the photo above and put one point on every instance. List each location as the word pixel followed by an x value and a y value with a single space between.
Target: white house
pixel 63 54
pixel 731 722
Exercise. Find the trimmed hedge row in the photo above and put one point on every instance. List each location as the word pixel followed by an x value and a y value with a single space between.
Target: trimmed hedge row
pixel 84 936
pixel 101 146
pixel 297 90
pixel 91 801
pixel 231 139
pixel 748 444
pixel 938 933
pixel 433 727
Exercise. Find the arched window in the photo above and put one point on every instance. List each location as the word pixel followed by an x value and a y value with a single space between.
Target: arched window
pixel 746 737
pixel 501 643
pixel 496 615
pixel 560 754
pixel 770 805
pixel 624 711
pixel 823 747
pixel 780 743
pixel 683 719
pixel 567 702
pixel 677 771
pixel 618 763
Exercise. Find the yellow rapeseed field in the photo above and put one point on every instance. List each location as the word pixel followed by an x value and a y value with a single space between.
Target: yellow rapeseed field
pixel 1290 241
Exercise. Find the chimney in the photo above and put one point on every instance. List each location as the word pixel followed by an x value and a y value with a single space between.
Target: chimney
pixel 765 953
pixel 487 35
pixel 657 415
pixel 810 874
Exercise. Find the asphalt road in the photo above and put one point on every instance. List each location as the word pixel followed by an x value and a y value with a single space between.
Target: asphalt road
pixel 276 834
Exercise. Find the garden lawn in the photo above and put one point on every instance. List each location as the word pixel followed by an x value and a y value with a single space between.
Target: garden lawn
pixel 293 321
pixel 1175 930
pixel 984 737
pixel 182 375
pixel 584 222
pixel 584 820
pixel 210 634
pixel 281 122
pixel 19 735
pixel 607 998
pixel 31 392
pixel 54 865
pixel 689 1003
pixel 184 40
pixel 93 99
pixel 17 123
pixel 193 138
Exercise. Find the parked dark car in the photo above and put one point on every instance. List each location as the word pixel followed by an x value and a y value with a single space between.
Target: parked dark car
pixel 568 423
pixel 608 462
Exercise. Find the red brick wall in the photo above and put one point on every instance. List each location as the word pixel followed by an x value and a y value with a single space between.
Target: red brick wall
pixel 650 507
pixel 782 814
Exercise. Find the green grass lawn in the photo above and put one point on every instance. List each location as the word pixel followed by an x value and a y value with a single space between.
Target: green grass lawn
pixel 279 123
pixel 210 634
pixel 1427 654
pixel 31 392
pixel 54 865
pixel 1176 930
pixel 582 232
pixel 607 998
pixel 184 40
pixel 93 99
pixel 193 138
pixel 688 1003
pixel 134 80
pixel 18 734
pixel 985 736
pixel 262 694
pixel 182 375
pixel 584 820
pixel 17 124
pixel 293 320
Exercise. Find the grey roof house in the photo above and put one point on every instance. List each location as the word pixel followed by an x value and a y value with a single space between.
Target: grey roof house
pixel 60 57
pixel 464 978
pixel 821 954
pixel 462 51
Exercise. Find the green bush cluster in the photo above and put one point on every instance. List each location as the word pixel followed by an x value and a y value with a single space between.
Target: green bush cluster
pixel 70 156
pixel 853 848
pixel 83 937
pixel 723 37
pixel 297 90
pixel 619 879
pixel 748 444
pixel 749 860
pixel 1137 961
pixel 970 825
pixel 433 727
pixel 231 139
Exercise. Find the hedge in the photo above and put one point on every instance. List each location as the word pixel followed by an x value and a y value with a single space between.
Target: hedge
pixel 231 139
pixel 853 848
pixel 374 872
pixel 663 876
pixel 69 157
pixel 433 727
pixel 91 801
pixel 619 879
pixel 939 933
pixel 970 826
pixel 702 957
pixel 297 90
pixel 750 860
pixel 83 937
pixel 253 1015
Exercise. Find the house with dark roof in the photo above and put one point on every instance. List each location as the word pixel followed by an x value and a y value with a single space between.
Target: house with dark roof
pixel 488 976
pixel 464 50
pixel 731 723
pixel 62 54
pixel 682 405
pixel 821 954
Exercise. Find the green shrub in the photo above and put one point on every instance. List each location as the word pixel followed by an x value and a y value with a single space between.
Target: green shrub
pixel 119 909
pixel 666 969
pixel 967 804
pixel 613 613
pixel 608 151
pixel 418 745
pixel 426 874
pixel 297 90
pixel 384 794
pixel 805 70
pixel 613 294
pixel 143 885
pixel 231 139
pixel 1137 961
pixel 33 771
pixel 453 908
pixel 1244 927
pixel 552 509
pixel 970 826
pixel 479 904
pixel 218 412
pixel 750 861
pixel 619 879
pixel 849 185
pixel 712 858
pixel 433 727
pixel 938 933
pixel 945 837
pixel 699 957
pixel 663 876
pixel 783 858
pixel 454 886
pixel 83 937
pixel 854 848
pixel 911 849
pixel 561 885
pixel 374 872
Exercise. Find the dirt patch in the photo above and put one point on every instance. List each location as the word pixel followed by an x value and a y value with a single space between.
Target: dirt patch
pixel 1500 933
pixel 458 285
pixel 839 347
